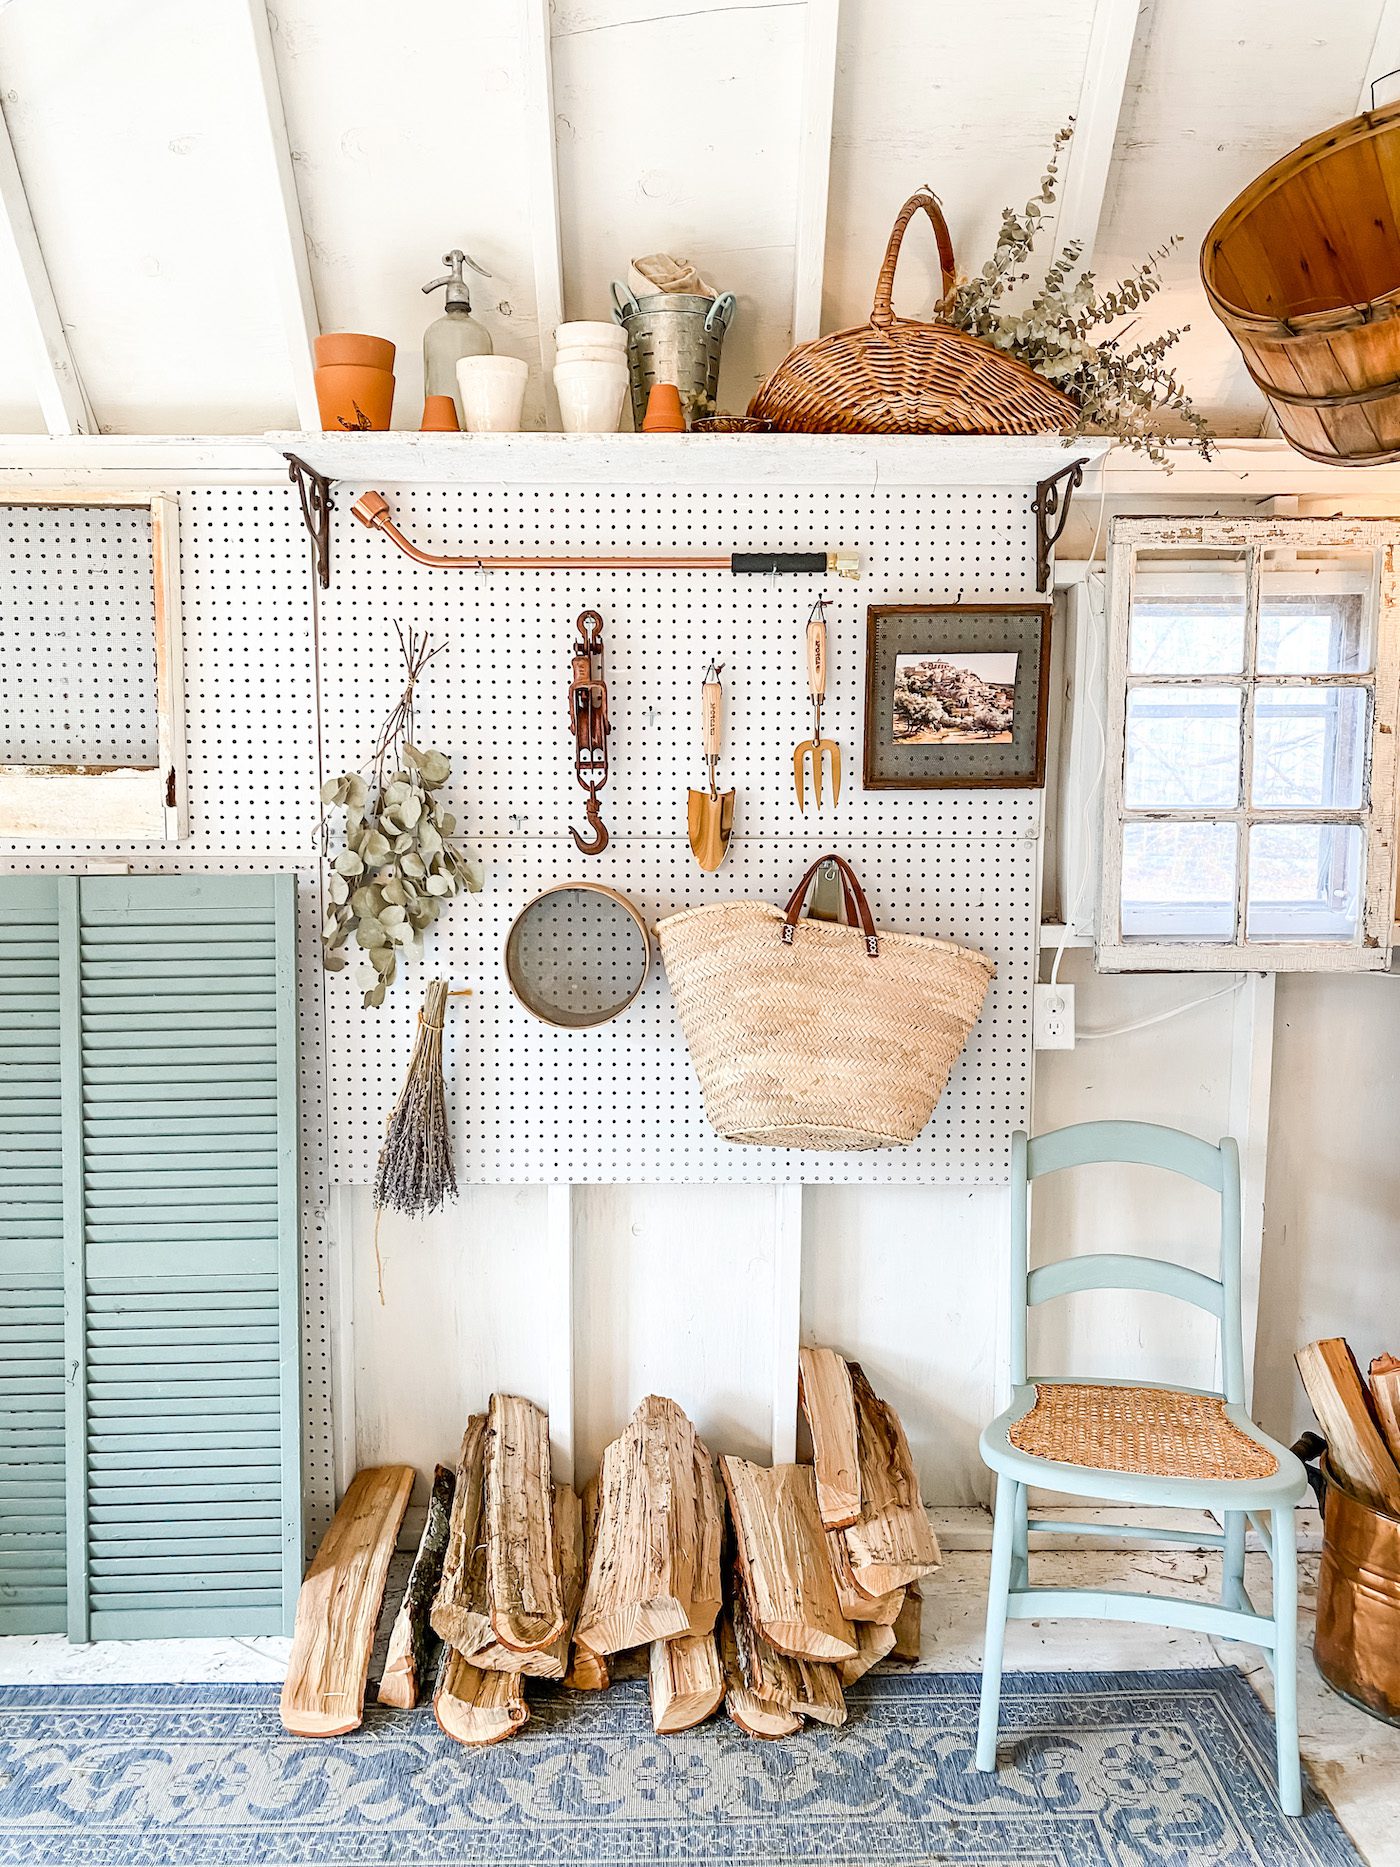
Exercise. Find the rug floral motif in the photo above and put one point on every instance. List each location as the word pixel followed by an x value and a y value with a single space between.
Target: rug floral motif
pixel 1154 1769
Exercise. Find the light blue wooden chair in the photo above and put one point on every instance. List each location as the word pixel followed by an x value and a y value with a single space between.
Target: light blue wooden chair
pixel 1138 1444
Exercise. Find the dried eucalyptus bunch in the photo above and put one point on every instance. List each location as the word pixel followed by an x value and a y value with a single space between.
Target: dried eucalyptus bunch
pixel 387 885
pixel 1060 329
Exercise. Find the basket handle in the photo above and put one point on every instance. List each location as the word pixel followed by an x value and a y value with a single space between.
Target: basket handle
pixel 855 898
pixel 882 313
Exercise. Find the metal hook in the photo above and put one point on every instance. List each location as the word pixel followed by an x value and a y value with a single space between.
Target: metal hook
pixel 595 845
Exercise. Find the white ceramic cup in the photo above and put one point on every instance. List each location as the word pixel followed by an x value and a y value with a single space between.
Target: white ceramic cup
pixel 590 353
pixel 590 396
pixel 590 331
pixel 492 391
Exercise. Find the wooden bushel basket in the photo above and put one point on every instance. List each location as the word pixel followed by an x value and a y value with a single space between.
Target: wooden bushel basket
pixel 898 376
pixel 1303 270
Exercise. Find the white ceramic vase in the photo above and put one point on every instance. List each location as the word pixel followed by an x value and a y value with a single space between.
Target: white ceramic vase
pixel 492 391
pixel 590 395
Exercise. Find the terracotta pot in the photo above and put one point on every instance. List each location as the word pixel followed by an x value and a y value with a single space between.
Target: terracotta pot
pixel 439 415
pixel 351 396
pixel 375 353
pixel 663 414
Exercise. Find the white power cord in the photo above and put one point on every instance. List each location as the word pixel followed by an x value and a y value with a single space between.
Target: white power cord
pixel 1161 1017
pixel 1094 587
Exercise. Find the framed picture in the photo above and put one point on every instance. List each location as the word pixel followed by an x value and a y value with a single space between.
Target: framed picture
pixel 955 695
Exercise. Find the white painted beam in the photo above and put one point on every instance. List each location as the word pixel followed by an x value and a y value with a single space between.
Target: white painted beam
pixel 1090 155
pixel 814 166
pixel 542 163
pixel 273 175
pixel 1383 62
pixel 557 1312
pixel 1251 1077
pixel 25 287
pixel 787 1319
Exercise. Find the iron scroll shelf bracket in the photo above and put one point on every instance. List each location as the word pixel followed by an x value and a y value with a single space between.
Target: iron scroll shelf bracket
pixel 1052 501
pixel 314 491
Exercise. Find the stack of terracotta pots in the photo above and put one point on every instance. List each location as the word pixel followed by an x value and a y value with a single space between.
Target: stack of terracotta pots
pixel 354 381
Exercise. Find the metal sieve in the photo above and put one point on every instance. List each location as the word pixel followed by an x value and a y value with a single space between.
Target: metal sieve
pixel 577 955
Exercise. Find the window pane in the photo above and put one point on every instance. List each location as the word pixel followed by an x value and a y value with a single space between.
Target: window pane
pixel 1182 748
pixel 1309 747
pixel 1178 881
pixel 1315 612
pixel 1304 881
pixel 1187 613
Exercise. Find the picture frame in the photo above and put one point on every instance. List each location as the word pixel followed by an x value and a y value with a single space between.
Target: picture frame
pixel 956 695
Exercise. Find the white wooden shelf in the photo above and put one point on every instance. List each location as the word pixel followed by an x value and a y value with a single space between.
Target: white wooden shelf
pixel 644 460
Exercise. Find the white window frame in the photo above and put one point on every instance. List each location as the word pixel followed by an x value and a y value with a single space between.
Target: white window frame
pixel 1369 949
pixel 115 803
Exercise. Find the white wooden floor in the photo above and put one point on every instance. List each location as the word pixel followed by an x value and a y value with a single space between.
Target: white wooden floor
pixel 1354 1760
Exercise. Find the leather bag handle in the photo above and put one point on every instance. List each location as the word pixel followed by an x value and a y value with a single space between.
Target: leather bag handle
pixel 882 313
pixel 855 900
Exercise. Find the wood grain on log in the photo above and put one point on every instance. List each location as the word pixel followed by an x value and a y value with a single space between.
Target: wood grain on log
pixel 1356 1451
pixel 876 1642
pixel 521 1579
pixel 754 1716
pixel 855 1604
pixel 824 1391
pixel 323 1694
pixel 686 1683
pixel 811 1688
pixel 786 1574
pixel 891 1543
pixel 1385 1391
pixel 461 1613
pixel 476 1707
pixel 548 1662
pixel 909 1628
pixel 655 1568
pixel 405 1677
pixel 588 1671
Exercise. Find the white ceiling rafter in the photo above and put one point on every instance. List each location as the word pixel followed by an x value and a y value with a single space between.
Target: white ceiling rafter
pixel 1384 60
pixel 542 162
pixel 291 266
pixel 24 281
pixel 1090 155
pixel 814 167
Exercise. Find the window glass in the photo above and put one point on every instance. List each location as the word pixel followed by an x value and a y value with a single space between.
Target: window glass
pixel 1178 881
pixel 1304 881
pixel 1309 747
pixel 1315 611
pixel 1182 748
pixel 1188 613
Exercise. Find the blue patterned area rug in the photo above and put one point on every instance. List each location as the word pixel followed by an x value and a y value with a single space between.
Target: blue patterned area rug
pixel 1160 1768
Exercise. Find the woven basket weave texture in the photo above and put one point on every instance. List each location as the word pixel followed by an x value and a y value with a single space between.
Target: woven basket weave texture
pixel 1147 1430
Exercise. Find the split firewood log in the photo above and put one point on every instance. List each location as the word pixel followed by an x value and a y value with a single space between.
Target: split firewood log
pixel 685 1682
pixel 1385 1391
pixel 461 1612
pixel 754 1716
pixel 783 1566
pixel 891 1543
pixel 855 1604
pixel 828 1402
pixel 405 1677
pixel 1356 1450
pixel 811 1688
pixel 655 1568
pixel 876 1642
pixel 547 1662
pixel 522 1580
pixel 908 1629
pixel 588 1671
pixel 476 1707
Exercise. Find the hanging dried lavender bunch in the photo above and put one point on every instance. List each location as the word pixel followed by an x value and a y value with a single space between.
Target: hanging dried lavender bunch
pixel 1121 389
pixel 415 1172
pixel 398 865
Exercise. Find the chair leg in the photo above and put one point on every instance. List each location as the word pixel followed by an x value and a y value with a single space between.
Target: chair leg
pixel 1290 1789
pixel 1003 1540
pixel 1021 1542
pixel 1232 1568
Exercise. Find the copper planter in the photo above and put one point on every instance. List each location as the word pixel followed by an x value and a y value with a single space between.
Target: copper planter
pixel 1357 1644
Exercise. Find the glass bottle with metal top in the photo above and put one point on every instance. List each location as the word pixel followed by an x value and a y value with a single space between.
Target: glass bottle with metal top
pixel 456 333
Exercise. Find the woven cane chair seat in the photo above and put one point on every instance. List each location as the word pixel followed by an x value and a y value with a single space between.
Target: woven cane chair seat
pixel 1146 1430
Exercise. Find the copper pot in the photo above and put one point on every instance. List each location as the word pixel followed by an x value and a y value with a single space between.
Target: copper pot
pixel 1357 1643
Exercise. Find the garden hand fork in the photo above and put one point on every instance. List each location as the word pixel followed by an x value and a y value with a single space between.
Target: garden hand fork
pixel 819 749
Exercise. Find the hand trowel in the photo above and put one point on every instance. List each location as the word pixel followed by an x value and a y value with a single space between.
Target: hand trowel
pixel 710 814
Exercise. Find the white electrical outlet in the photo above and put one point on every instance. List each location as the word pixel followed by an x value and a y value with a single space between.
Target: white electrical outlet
pixel 1052 1026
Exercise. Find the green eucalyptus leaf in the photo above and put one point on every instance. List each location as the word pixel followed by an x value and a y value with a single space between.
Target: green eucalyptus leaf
pixel 377 848
pixel 333 790
pixel 413 864
pixel 440 885
pixel 338 888
pixel 349 862
pixel 393 891
pixel 410 810
pixel 371 933
pixel 382 959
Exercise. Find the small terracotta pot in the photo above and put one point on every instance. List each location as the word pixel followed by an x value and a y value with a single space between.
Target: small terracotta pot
pixel 663 414
pixel 350 396
pixel 375 353
pixel 439 415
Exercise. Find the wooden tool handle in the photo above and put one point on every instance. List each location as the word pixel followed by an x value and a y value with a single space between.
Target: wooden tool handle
pixel 712 717
pixel 816 657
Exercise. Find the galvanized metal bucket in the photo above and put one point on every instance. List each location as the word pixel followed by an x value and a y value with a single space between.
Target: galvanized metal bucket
pixel 1357 1640
pixel 672 337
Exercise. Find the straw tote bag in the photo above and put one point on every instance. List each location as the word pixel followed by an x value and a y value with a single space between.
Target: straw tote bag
pixel 810 1034
pixel 899 376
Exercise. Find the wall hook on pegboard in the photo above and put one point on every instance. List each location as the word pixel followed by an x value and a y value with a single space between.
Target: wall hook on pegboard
pixel 314 491
pixel 1052 499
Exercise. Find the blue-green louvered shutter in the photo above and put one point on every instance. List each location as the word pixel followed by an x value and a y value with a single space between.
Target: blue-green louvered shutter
pixel 184 1503
pixel 31 1256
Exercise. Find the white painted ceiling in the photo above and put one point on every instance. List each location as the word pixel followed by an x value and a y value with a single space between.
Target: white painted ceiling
pixel 133 121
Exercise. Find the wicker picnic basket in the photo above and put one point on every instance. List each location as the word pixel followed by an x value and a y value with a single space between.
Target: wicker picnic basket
pixel 810 1034
pixel 898 376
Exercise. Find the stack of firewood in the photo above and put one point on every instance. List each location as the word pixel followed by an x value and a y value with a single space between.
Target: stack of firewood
pixel 810 1580
pixel 1360 1419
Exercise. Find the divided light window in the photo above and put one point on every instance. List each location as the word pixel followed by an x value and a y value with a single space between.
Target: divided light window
pixel 1250 774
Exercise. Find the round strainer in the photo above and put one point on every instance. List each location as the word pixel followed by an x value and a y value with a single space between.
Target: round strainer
pixel 577 955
